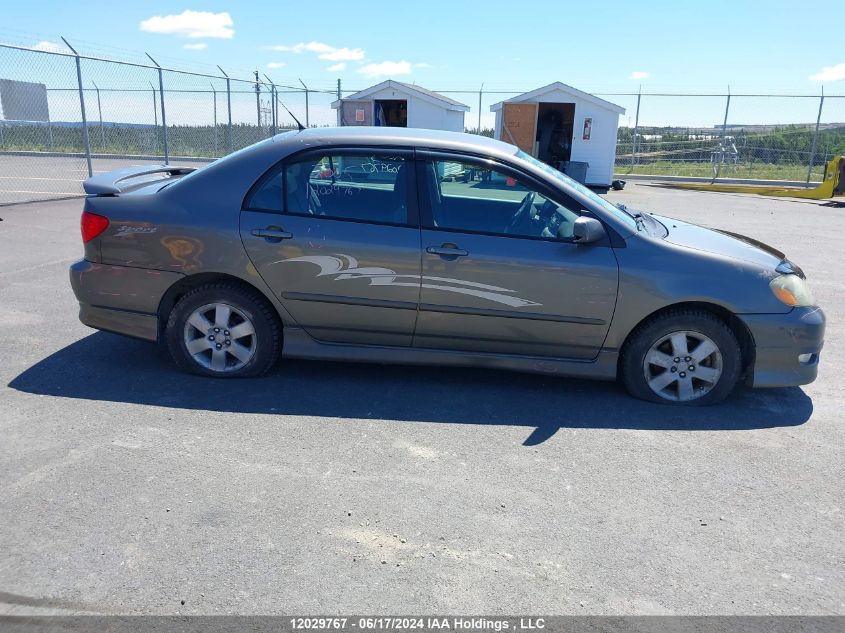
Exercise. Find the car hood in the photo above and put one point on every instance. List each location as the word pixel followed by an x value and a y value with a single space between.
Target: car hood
pixel 724 243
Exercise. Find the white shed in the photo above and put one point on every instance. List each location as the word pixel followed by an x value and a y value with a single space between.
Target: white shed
pixel 558 123
pixel 396 104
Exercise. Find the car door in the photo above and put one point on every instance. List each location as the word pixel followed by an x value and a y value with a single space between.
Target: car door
pixel 500 271
pixel 335 234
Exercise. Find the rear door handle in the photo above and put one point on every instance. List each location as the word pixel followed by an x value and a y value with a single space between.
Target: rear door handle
pixel 272 234
pixel 447 250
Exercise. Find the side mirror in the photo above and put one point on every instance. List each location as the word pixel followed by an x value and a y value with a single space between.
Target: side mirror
pixel 587 230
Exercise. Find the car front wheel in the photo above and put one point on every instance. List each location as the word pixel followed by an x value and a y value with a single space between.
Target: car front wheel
pixel 685 357
pixel 223 330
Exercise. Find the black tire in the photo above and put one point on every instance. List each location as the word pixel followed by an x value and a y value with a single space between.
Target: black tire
pixel 266 345
pixel 633 357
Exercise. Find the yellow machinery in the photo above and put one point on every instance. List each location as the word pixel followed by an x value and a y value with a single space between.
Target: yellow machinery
pixel 832 185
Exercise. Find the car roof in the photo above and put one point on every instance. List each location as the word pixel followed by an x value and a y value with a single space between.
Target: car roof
pixel 397 137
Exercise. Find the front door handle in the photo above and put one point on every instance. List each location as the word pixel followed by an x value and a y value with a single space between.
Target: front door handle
pixel 272 234
pixel 447 250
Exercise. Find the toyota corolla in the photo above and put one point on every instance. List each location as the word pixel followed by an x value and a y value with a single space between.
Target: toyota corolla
pixel 417 246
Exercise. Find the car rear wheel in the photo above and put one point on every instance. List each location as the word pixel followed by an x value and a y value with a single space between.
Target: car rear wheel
pixel 684 357
pixel 223 330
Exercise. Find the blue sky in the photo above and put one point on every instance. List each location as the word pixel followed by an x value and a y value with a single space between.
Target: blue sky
pixel 600 47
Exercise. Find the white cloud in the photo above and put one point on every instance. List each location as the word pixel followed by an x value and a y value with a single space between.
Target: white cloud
pixel 336 67
pixel 51 47
pixel 638 74
pixel 195 47
pixel 276 65
pixel 386 68
pixel 830 73
pixel 192 24
pixel 313 47
pixel 343 54
pixel 323 51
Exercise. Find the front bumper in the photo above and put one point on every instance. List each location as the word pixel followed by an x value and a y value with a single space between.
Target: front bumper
pixel 120 299
pixel 779 341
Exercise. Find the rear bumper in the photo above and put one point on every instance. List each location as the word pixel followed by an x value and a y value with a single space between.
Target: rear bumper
pixel 779 341
pixel 120 299
pixel 143 326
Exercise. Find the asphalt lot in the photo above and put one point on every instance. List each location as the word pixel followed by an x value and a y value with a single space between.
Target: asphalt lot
pixel 33 177
pixel 328 487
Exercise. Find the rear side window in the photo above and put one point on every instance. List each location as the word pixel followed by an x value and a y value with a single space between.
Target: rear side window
pixel 369 187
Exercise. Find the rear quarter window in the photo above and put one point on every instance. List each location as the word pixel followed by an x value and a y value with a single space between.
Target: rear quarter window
pixel 267 196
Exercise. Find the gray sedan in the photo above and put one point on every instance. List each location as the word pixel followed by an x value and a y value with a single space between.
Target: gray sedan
pixel 415 246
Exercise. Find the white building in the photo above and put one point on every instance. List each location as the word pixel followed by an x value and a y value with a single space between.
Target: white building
pixel 396 104
pixel 558 123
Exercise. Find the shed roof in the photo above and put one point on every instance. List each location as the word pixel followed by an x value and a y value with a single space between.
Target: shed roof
pixel 410 90
pixel 535 95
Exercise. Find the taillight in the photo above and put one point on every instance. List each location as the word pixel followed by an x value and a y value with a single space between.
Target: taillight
pixel 92 225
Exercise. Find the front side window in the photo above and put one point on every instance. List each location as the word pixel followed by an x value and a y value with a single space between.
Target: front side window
pixel 625 217
pixel 473 197
pixel 369 187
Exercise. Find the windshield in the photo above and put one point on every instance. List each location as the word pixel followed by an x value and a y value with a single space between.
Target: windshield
pixel 586 191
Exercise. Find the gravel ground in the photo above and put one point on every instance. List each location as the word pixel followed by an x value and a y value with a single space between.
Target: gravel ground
pixel 338 488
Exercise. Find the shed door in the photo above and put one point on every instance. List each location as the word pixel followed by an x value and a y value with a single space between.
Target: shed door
pixel 519 125
pixel 351 113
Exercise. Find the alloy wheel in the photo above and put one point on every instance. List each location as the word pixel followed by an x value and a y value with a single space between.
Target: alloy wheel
pixel 683 366
pixel 220 337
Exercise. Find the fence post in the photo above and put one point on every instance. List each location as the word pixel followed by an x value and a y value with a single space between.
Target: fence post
pixel 718 169
pixel 307 123
pixel 50 130
pixel 480 92
pixel 277 101
pixel 815 139
pixel 100 112
pixel 229 108
pixel 215 119
pixel 636 127
pixel 155 104
pixel 163 111
pixel 85 138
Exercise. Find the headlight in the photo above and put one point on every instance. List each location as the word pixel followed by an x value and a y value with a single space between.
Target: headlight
pixel 792 290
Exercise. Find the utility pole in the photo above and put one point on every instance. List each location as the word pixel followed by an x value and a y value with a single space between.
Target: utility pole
pixel 273 112
pixel 258 100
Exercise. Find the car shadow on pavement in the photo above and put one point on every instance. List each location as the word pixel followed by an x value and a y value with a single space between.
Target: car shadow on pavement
pixel 111 368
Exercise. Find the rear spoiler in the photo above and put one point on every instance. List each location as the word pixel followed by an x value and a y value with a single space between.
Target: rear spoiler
pixel 107 184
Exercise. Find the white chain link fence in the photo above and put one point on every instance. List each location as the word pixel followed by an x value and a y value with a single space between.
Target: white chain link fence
pixel 137 113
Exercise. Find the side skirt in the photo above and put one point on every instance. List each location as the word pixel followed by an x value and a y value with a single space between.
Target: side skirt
pixel 298 344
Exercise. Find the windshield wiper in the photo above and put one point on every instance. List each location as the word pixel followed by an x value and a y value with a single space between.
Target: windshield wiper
pixel 639 218
pixel 636 215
